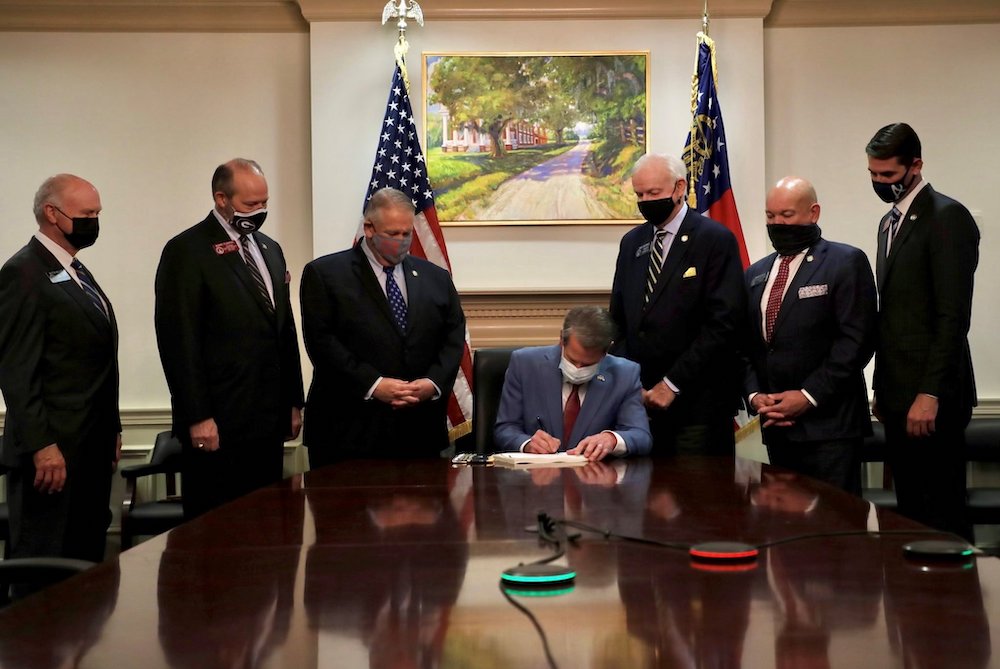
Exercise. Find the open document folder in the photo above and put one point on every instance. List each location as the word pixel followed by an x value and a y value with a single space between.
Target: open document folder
pixel 523 460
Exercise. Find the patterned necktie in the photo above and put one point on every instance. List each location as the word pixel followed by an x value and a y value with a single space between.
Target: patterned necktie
pixel 396 303
pixel 88 285
pixel 255 274
pixel 655 262
pixel 774 299
pixel 892 223
pixel 570 412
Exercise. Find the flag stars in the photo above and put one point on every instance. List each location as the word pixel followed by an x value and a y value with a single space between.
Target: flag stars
pixel 716 171
pixel 382 152
pixel 409 150
pixel 403 181
pixel 396 91
pixel 428 193
pixel 388 121
pixel 418 172
pixel 378 167
pixel 394 158
pixel 406 167
pixel 720 144
pixel 707 187
pixel 393 105
pixel 402 113
pixel 385 137
pixel 399 144
pixel 391 174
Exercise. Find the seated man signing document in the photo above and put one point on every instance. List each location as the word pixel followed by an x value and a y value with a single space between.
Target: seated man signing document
pixel 574 397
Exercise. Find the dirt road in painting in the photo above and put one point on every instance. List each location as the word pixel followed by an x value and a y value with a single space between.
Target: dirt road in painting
pixel 553 190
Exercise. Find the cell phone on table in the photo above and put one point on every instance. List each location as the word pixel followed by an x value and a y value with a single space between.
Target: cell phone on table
pixel 471 459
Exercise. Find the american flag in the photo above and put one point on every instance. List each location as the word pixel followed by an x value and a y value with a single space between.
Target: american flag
pixel 400 164
pixel 705 152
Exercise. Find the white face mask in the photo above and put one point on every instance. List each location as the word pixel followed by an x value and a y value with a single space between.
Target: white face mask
pixel 577 375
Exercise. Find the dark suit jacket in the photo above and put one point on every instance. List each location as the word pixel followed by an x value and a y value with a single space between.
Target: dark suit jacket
pixel 689 330
pixel 224 356
pixel 58 363
pixel 925 298
pixel 824 336
pixel 352 340
pixel 532 390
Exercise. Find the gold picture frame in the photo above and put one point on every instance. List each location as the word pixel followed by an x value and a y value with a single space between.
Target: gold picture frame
pixel 534 138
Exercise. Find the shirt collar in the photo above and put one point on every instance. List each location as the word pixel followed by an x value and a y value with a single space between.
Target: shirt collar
pixel 62 255
pixel 904 204
pixel 377 267
pixel 675 223
pixel 227 226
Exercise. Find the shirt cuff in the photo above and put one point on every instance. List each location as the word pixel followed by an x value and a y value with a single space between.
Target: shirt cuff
pixel 371 391
pixel 671 385
pixel 810 398
pixel 526 442
pixel 437 391
pixel 750 400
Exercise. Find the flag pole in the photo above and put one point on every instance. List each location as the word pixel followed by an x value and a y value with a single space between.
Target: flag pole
pixel 704 19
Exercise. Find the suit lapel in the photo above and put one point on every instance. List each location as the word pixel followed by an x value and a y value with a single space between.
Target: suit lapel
pixel 363 271
pixel 883 240
pixel 910 221
pixel 414 294
pixel 810 263
pixel 231 257
pixel 551 383
pixel 757 294
pixel 685 239
pixel 73 290
pixel 597 391
pixel 272 264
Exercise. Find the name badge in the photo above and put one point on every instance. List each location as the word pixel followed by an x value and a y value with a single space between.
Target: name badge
pixel 61 276
pixel 226 247
pixel 759 279
pixel 813 291
pixel 642 250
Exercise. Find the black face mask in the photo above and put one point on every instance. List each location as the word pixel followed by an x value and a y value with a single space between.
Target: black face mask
pixel 85 231
pixel 893 192
pixel 249 222
pixel 791 239
pixel 657 211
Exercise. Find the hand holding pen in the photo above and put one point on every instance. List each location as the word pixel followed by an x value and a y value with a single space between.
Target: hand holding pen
pixel 541 441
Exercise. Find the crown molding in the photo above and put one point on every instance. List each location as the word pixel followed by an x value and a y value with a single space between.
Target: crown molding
pixel 452 10
pixel 832 13
pixel 215 16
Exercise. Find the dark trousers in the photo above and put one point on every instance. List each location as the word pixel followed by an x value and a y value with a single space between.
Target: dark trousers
pixel 72 523
pixel 836 461
pixel 675 434
pixel 929 473
pixel 237 468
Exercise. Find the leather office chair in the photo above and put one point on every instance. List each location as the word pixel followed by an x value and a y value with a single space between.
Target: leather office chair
pixel 37 572
pixel 149 518
pixel 489 365
pixel 873 450
pixel 5 529
pixel 982 444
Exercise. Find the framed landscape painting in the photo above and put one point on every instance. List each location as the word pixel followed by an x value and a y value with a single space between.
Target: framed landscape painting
pixel 534 138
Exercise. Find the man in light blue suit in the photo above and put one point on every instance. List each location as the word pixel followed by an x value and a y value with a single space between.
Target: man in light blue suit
pixel 574 388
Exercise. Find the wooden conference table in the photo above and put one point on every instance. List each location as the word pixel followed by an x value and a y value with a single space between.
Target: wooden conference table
pixel 396 564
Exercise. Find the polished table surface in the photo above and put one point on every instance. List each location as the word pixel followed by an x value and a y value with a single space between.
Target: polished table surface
pixel 397 564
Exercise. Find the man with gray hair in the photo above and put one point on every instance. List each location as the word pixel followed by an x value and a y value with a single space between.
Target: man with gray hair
pixel 678 301
pixel 385 332
pixel 573 396
pixel 59 376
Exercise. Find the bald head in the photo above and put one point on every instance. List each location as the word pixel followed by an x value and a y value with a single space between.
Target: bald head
pixel 56 190
pixel 792 201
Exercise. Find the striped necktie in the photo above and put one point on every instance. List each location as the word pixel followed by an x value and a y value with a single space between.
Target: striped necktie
pixel 89 286
pixel 892 225
pixel 655 262
pixel 255 274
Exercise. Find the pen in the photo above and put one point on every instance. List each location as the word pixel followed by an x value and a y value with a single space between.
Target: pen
pixel 541 425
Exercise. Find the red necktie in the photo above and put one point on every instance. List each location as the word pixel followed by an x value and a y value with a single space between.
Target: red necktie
pixel 774 299
pixel 570 412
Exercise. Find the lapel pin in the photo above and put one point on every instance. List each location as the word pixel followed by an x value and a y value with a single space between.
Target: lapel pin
pixel 809 258
pixel 263 245
pixel 913 217
pixel 684 238
pixel 600 377
pixel 414 272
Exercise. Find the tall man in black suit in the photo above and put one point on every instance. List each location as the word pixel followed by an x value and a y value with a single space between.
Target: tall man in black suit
pixel 59 375
pixel 385 332
pixel 928 249
pixel 811 319
pixel 228 345
pixel 678 301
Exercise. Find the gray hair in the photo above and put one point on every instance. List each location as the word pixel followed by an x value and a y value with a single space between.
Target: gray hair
pixel 387 198
pixel 50 192
pixel 674 166
pixel 592 326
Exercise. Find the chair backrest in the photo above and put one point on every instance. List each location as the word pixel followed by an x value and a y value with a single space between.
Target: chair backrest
pixel 167 453
pixel 29 575
pixel 489 366
pixel 982 440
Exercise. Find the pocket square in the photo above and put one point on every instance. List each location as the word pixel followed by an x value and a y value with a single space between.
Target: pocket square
pixel 690 273
pixel 813 291
pixel 759 279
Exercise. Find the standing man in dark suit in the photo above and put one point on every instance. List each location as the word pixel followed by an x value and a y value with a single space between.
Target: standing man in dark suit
pixel 385 332
pixel 228 345
pixel 59 375
pixel 573 396
pixel 928 249
pixel 811 319
pixel 678 302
